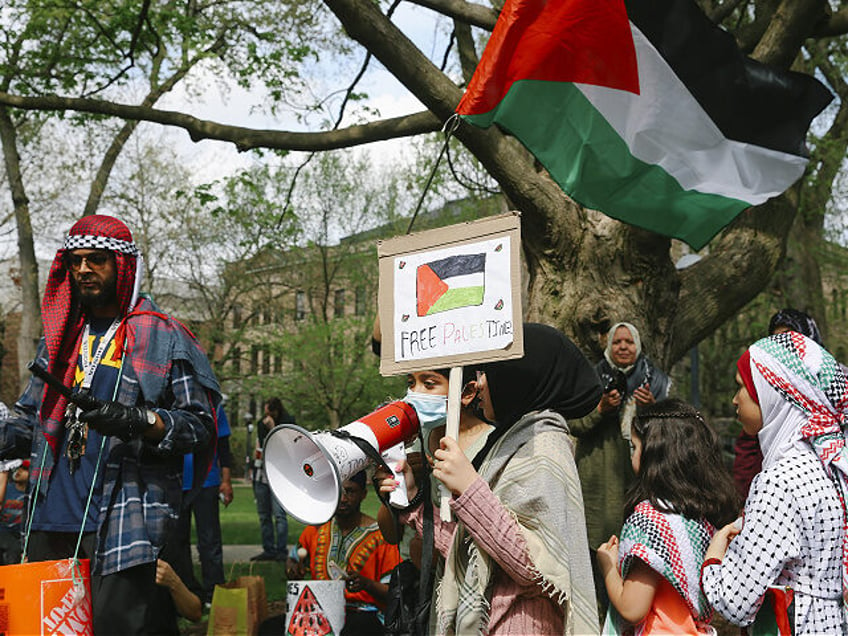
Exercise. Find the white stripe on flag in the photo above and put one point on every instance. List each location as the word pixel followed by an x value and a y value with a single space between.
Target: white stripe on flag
pixel 465 280
pixel 665 125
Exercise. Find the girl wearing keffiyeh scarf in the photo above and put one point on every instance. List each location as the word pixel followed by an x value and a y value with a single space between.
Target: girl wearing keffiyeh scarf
pixel 794 396
pixel 682 493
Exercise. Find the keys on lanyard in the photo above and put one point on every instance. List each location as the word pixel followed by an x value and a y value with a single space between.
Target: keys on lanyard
pixel 78 431
pixel 77 436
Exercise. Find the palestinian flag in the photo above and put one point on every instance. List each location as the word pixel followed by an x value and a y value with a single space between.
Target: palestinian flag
pixel 644 110
pixel 450 283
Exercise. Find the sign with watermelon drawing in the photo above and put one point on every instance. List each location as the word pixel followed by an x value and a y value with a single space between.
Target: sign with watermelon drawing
pixel 316 608
pixel 451 296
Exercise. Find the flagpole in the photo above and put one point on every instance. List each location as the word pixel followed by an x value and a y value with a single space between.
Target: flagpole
pixel 451 430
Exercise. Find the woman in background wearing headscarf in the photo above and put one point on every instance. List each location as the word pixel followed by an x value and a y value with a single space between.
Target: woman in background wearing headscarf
pixel 794 397
pixel 516 556
pixel 629 380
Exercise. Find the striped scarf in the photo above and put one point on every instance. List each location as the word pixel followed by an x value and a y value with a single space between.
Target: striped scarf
pixel 530 471
pixel 674 547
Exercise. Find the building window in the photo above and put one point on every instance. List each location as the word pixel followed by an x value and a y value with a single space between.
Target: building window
pixel 236 357
pixel 266 359
pixel 299 305
pixel 236 316
pixel 339 302
pixel 278 364
pixel 254 359
pixel 360 301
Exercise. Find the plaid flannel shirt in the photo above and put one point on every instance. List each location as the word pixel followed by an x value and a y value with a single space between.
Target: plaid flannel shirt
pixel 142 487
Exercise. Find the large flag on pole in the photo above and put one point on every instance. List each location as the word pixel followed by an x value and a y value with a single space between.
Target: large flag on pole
pixel 644 110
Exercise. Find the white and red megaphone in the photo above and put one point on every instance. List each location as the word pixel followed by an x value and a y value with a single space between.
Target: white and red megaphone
pixel 306 470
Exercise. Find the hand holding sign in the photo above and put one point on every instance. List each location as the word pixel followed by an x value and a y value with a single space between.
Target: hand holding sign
pixel 450 297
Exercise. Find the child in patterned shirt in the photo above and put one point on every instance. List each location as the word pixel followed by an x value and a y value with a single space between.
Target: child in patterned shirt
pixel 682 493
pixel 793 396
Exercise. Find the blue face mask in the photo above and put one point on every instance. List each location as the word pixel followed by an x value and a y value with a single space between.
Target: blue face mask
pixel 432 410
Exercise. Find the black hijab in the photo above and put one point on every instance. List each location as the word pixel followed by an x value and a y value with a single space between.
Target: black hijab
pixel 795 320
pixel 553 374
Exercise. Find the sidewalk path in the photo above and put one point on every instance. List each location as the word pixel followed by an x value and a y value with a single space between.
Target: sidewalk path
pixel 233 553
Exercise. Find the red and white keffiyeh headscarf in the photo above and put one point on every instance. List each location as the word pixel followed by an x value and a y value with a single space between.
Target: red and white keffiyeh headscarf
pixel 60 308
pixel 803 395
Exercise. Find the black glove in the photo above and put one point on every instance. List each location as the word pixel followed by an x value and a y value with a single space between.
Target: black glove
pixel 112 418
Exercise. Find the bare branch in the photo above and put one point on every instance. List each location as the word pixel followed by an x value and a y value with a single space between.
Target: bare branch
pixel 791 24
pixel 243 138
pixel 740 262
pixel 504 158
pixel 836 24
pixel 465 46
pixel 474 14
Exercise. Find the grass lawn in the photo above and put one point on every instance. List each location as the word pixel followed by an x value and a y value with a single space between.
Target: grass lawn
pixel 240 523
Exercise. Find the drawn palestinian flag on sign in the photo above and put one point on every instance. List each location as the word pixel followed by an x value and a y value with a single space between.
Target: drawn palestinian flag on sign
pixel 308 618
pixel 450 283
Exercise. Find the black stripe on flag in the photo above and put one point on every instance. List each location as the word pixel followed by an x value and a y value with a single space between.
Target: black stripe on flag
pixel 749 101
pixel 459 265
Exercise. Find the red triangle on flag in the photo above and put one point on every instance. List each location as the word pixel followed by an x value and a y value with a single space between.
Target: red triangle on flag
pixel 429 288
pixel 584 41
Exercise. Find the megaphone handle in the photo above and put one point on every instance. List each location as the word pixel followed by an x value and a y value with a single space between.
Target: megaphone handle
pixel 452 431
pixel 399 497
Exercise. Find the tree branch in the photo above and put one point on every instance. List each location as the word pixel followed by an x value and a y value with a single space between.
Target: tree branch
pixel 243 138
pixel 836 24
pixel 740 263
pixel 473 14
pixel 790 25
pixel 721 11
pixel 465 47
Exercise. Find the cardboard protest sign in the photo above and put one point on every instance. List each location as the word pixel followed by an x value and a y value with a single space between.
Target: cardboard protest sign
pixel 451 296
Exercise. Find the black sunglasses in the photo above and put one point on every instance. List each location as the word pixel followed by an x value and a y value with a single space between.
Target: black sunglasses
pixel 95 260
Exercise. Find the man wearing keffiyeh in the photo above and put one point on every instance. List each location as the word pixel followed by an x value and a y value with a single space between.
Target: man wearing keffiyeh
pixel 109 478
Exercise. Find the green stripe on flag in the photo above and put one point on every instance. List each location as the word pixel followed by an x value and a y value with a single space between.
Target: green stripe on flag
pixel 592 163
pixel 456 298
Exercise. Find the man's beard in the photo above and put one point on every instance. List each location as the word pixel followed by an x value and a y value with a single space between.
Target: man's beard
pixel 106 295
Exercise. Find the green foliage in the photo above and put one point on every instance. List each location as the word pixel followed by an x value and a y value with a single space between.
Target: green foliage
pixel 333 378
pixel 322 291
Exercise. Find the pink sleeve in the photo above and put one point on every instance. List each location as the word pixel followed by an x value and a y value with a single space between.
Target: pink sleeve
pixel 442 530
pixel 494 530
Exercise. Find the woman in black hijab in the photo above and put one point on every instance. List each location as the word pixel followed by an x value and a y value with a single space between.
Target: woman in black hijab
pixel 553 374
pixel 516 558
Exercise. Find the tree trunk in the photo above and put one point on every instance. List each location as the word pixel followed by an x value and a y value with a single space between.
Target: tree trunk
pixel 30 309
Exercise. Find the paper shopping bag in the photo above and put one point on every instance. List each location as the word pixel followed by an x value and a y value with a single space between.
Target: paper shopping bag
pixel 45 597
pixel 238 607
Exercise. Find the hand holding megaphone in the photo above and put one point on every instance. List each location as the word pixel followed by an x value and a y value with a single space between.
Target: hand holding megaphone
pixel 399 497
